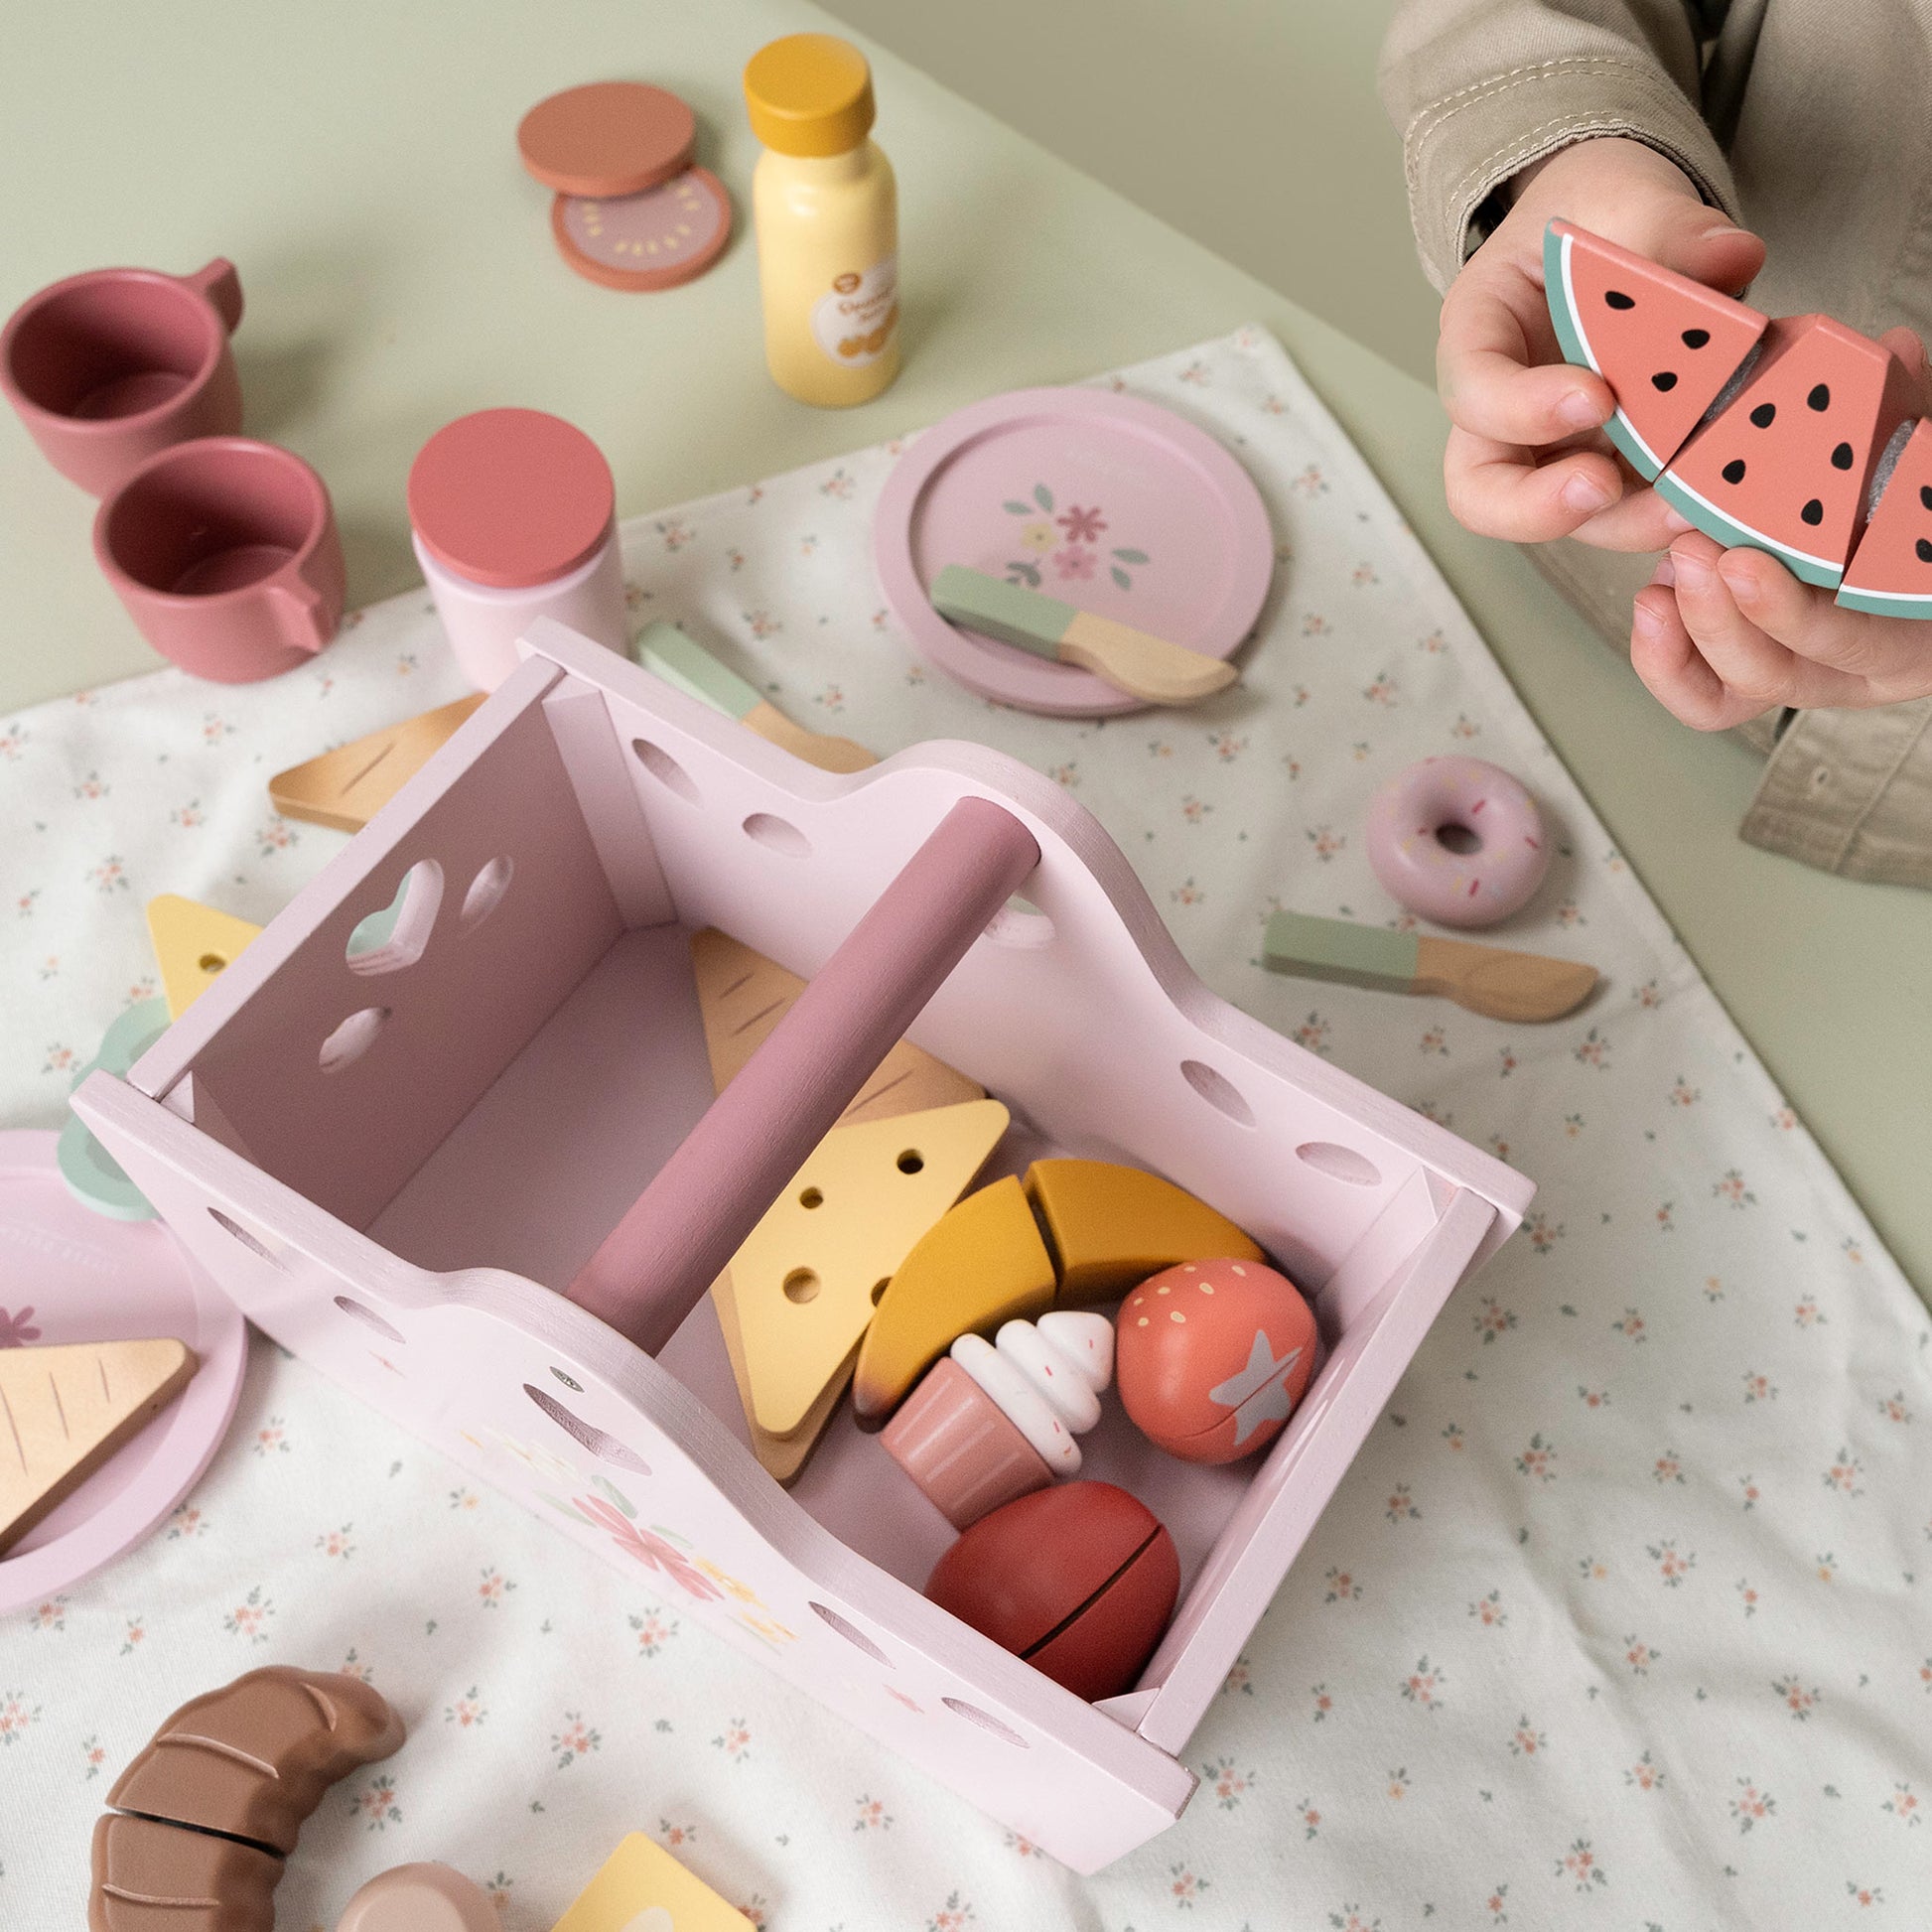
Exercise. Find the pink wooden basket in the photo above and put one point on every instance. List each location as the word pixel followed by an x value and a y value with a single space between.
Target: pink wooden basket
pixel 397 1160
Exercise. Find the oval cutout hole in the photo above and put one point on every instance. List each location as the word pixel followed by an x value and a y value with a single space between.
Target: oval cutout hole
pixel 857 1638
pixel 1021 924
pixel 1340 1162
pixel 393 936
pixel 352 1040
pixel 599 1441
pixel 370 1318
pixel 665 770
pixel 1218 1091
pixel 247 1237
pixel 802 1286
pixel 779 835
pixel 985 1720
pixel 485 894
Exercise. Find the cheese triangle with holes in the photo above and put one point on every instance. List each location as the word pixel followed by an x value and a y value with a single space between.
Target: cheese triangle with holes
pixel 191 943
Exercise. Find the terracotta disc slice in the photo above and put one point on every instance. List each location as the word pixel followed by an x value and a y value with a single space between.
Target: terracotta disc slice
pixel 654 240
pixel 613 137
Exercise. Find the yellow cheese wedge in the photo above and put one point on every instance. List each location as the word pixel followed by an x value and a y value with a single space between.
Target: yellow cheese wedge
pixel 66 1409
pixel 191 943
pixel 781 1456
pixel 807 1277
pixel 347 786
pixel 984 1264
pixel 643 1888
pixel 743 996
pixel 1111 1227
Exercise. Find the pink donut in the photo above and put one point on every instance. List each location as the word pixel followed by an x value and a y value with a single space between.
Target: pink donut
pixel 1492 877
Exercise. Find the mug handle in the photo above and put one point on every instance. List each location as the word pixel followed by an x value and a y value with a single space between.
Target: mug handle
pixel 220 286
pixel 302 615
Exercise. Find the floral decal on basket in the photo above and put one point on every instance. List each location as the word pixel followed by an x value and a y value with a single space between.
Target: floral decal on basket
pixel 1071 536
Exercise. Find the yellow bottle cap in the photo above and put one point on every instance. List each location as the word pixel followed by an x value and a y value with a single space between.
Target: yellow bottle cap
pixel 810 94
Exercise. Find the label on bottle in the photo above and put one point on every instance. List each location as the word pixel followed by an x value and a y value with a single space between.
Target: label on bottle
pixel 854 323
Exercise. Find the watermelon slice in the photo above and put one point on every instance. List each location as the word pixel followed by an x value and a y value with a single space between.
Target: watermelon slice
pixel 1890 572
pixel 1784 466
pixel 1665 345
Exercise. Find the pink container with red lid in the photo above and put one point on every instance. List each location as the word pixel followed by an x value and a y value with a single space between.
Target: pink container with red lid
pixel 513 515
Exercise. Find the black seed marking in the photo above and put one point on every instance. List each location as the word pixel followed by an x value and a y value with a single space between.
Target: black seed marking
pixel 1664 379
pixel 1813 513
pixel 1733 471
pixel 1695 338
pixel 1924 550
pixel 1763 414
pixel 1842 457
pixel 1618 300
pixel 1820 398
pixel 1925 494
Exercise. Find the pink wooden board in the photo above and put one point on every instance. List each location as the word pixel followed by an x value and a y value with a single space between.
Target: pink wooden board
pixel 1101 500
pixel 1080 1015
pixel 90 1279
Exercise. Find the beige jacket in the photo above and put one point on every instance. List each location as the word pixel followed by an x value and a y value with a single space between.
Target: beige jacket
pixel 1811 122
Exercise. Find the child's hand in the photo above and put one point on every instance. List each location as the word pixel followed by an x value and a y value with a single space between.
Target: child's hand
pixel 1525 459
pixel 1719 636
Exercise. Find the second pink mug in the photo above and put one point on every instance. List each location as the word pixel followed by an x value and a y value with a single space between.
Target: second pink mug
pixel 226 555
pixel 107 368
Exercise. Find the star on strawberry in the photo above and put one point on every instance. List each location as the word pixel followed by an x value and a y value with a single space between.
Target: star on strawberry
pixel 1259 1393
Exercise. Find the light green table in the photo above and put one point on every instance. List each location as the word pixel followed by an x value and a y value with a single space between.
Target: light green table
pixel 356 163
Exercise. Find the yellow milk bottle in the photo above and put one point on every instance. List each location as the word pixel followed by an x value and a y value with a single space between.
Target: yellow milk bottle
pixel 827 214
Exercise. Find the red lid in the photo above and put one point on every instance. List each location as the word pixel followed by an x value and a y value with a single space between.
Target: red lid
pixel 510 498
pixel 614 137
pixel 654 240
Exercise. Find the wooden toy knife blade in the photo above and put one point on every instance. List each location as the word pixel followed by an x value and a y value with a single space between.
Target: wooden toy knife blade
pixel 667 650
pixel 1135 661
pixel 1490 980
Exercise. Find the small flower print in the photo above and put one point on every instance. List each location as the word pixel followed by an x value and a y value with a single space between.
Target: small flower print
pixel 1423 1685
pixel 1350 1919
pixel 1401 1505
pixel 1526 1740
pixel 110 874
pixel 1310 1816
pixel 1073 564
pixel 1748 1596
pixel 1639 1656
pixel 1731 1189
pixel 653 1632
pixel 249 1617
pixel 1799 1700
pixel 1315 624
pixel 1228 1783
pixel 1396 1783
pixel 94 1754
pixel 838 486
pixel 1668 1467
pixel 1593 1570
pixel 17 1329
pixel 1825 1567
pixel 186 1521
pixel 465 1500
pixel 1759 1388
pixel 1453 1434
pixel 1593 1398
pixel 1865 1894
pixel 1496 1905
pixel 1580 1863
pixel 1543 1232
pixel 1186 1887
pixel 761 624
pixel 1227 747
pixel 1493 1320
pixel 1893 1407
pixel 376 1805
pixel 1488 1611
pixel 494 1588
pixel 1081 526
pixel 1594 1049
pixel 1806 1314
pixel 1037 537
pixel 278 835
pixel 1188 892
pixel 1673 1565
pixel 270 1439
pixel 1342 1588
pixel 674 533
pixel 675 1835
pixel 1752 1806
pixel 1843 1474
pixel 1435 1041
pixel 1322 1701
pixel 1363 574
pixel 873 1815
pixel 1683 1094
pixel 1630 1326
pixel 1239 1679
pixel 577 1739
pixel 950 1916
pixel 1326 841
pixel 467 1712
pixel 735 1741
pixel 1311 482
pixel 1023 1846
pixel 1644 1774
pixel 1903 1804
pixel 1538 1459
pixel 16 1713
pixel 1382 689
pixel 335 1543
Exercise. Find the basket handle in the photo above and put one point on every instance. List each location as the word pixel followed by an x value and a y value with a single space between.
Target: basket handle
pixel 681 1232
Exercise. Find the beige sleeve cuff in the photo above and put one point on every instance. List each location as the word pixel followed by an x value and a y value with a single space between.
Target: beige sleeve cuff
pixel 1460 148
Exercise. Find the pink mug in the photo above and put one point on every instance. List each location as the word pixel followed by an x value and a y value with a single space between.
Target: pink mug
pixel 108 368
pixel 225 553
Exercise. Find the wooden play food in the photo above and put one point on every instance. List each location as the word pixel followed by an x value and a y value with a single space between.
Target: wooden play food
pixel 827 212
pixel 225 553
pixel 208 1810
pixel 996 1420
pixel 412 1203
pixel 640 1888
pixel 513 517
pixel 191 943
pixel 1078 1580
pixel 1076 1231
pixel 108 368
pixel 1213 1357
pixel 347 786
pixel 420 1899
pixel 68 1408
pixel 1458 840
pixel 1890 572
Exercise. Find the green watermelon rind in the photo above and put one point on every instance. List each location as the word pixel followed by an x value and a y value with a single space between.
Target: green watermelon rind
pixel 1562 298
pixel 1886 604
pixel 1740 536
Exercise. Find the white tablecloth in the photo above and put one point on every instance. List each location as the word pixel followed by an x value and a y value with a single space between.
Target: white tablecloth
pixel 1618 1620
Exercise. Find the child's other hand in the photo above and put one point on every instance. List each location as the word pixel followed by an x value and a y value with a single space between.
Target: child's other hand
pixel 1526 460
pixel 1719 636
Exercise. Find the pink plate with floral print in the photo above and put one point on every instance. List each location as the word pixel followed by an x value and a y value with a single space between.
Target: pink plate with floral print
pixel 1100 500
pixel 67 1275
